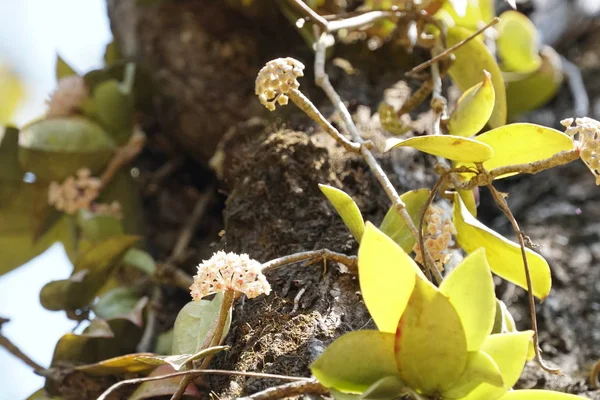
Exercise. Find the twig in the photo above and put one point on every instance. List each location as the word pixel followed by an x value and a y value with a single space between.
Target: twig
pixel 297 300
pixel 449 50
pixel 289 390
pixel 499 199
pixel 123 156
pixel 147 339
pixel 15 351
pixel 322 80
pixel 190 226
pixel 348 261
pixel 416 98
pixel 193 372
pixel 486 178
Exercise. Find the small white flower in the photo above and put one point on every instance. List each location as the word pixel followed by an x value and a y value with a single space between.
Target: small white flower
pixel 276 79
pixel 229 271
pixel 75 193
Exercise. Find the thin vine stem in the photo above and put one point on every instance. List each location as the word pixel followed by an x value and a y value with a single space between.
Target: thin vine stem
pixel 501 202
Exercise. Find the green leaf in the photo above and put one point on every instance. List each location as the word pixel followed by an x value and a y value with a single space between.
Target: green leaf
pixel 503 255
pixel 473 109
pixel 111 53
pixel 470 289
pixel 98 227
pixel 523 143
pixel 476 13
pixel 179 361
pixel 346 208
pixel 526 92
pixel 117 302
pixel 509 351
pixel 481 368
pixel 517 43
pixel 164 342
pixel 194 322
pixel 469 198
pixel 503 321
pixel 387 275
pixel 92 269
pixel 390 387
pixel 55 148
pixel 141 260
pixel 534 394
pixel 451 147
pixel 63 69
pixel 467 70
pixel 394 226
pixel 117 365
pixel 431 347
pixel 343 367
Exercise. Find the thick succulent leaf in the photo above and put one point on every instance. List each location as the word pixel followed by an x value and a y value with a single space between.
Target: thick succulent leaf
pixel 467 70
pixel 503 321
pixel 97 227
pixel 141 260
pixel 526 92
pixel 194 322
pixel 517 43
pixel 178 361
pixel 451 147
pixel 503 255
pixel 164 387
pixel 344 368
pixel 470 198
pixel 390 387
pixel 509 351
pixel 63 69
pixel 55 148
pixel 117 302
pixel 394 226
pixel 387 277
pixel 10 169
pixel 113 106
pixel 346 208
pixel 473 109
pixel 117 365
pixel 475 13
pixel 92 269
pixel 431 347
pixel 523 143
pixel 534 394
pixel 470 289
pixel 480 368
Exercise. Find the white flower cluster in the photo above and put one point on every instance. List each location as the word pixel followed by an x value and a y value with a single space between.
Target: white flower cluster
pixel 75 193
pixel 68 98
pixel 276 79
pixel 586 134
pixel 229 271
pixel 437 237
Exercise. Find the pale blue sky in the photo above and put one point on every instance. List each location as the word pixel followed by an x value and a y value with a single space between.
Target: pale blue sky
pixel 31 32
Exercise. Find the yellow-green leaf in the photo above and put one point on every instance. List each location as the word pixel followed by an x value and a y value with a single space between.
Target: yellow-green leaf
pixel 394 226
pixel 387 277
pixel 469 198
pixel 470 289
pixel 475 13
pixel 503 255
pixel 451 147
pixel 346 208
pixel 344 367
pixel 178 361
pixel 467 70
pixel 509 351
pixel 117 365
pixel 12 92
pixel 431 347
pixel 481 368
pixel 517 43
pixel 534 394
pixel 390 387
pixel 523 143
pixel 526 92
pixel 63 69
pixel 473 109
